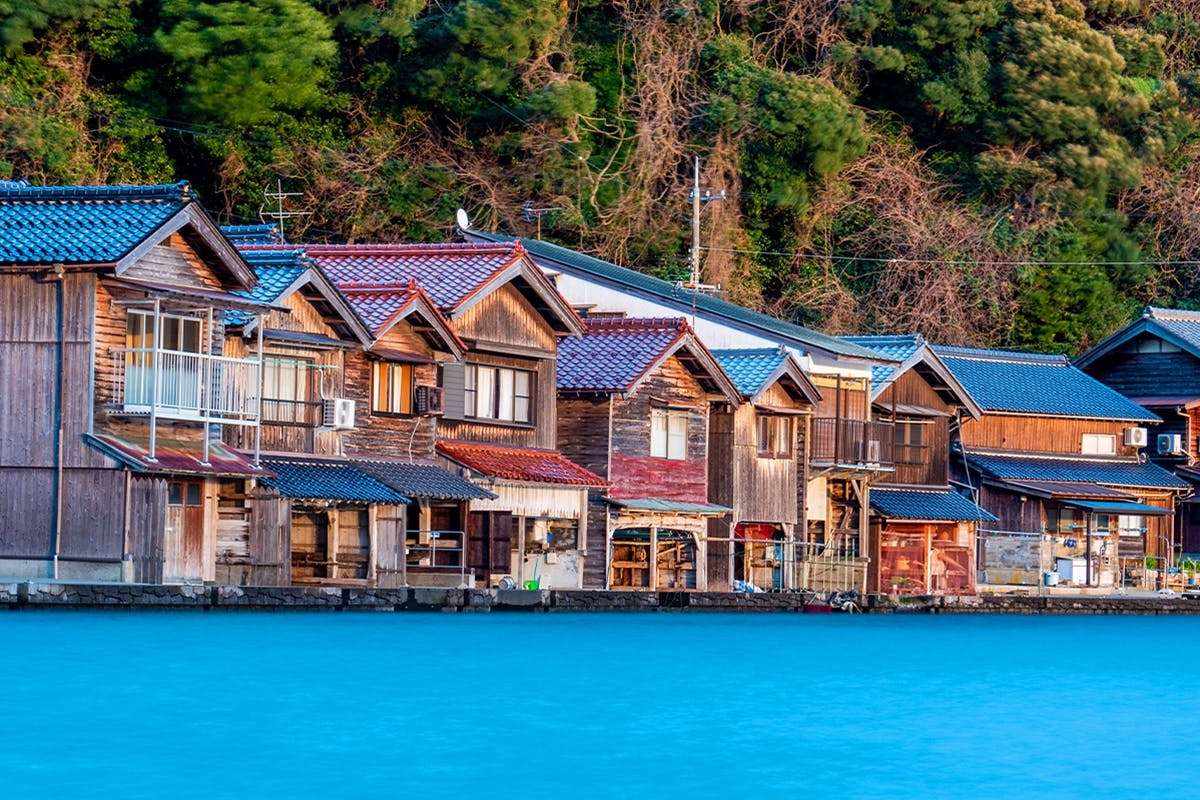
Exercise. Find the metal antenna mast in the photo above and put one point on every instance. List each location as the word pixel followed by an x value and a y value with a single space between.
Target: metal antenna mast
pixel 279 215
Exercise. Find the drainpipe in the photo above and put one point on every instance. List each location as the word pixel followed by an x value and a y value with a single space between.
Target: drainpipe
pixel 59 432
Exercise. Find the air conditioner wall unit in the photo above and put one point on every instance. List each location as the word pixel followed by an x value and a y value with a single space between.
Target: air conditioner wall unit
pixel 1137 437
pixel 1170 444
pixel 430 401
pixel 337 413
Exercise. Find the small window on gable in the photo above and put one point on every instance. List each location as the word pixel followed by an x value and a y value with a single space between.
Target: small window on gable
pixel 1099 444
pixel 393 388
pixel 668 433
pixel 774 436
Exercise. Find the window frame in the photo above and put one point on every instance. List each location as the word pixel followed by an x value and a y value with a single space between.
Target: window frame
pixel 775 430
pixel 499 395
pixel 669 433
pixel 905 449
pixel 381 378
pixel 302 371
pixel 1096 439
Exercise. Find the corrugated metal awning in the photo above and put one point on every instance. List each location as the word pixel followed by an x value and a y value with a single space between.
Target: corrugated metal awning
pixel 1110 507
pixel 660 505
pixel 175 457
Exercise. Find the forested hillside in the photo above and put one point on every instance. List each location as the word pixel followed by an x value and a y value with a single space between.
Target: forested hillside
pixel 996 172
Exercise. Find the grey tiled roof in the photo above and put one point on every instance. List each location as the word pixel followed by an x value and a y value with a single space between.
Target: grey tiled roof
pixel 1074 470
pixel 316 479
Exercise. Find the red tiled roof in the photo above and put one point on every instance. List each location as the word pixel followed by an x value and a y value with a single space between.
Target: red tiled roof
pixel 450 273
pixel 175 457
pixel 519 463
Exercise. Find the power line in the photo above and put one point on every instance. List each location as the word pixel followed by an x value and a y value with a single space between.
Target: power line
pixel 960 262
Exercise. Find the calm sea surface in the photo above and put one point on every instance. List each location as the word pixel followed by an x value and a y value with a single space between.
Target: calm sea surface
pixel 212 705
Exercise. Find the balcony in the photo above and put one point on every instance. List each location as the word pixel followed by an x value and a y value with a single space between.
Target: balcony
pixel 172 384
pixel 852 444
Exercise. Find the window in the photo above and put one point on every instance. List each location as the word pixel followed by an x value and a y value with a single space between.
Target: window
pixel 178 348
pixel 910 442
pixel 393 392
pixel 498 393
pixel 668 433
pixel 1099 444
pixel 285 389
pixel 774 436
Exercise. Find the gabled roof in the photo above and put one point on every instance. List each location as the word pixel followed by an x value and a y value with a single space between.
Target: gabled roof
pixel 105 226
pixel 914 351
pixel 326 479
pixel 556 258
pixel 1073 470
pixel 525 464
pixel 1180 328
pixel 1031 383
pixel 456 276
pixel 615 355
pixel 920 504
pixel 372 310
pixel 754 370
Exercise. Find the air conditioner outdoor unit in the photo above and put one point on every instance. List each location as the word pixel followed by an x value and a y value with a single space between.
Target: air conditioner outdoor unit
pixel 1170 444
pixel 430 401
pixel 337 413
pixel 1136 437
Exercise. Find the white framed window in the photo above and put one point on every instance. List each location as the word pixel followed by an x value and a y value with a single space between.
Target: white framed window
pixel 1099 444
pixel 285 388
pixel 178 348
pixel 392 389
pixel 668 433
pixel 774 436
pixel 498 393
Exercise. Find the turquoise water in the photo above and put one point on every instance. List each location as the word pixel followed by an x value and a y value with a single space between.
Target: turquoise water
pixel 213 705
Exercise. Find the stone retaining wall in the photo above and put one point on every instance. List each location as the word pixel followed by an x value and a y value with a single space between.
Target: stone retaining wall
pixel 51 594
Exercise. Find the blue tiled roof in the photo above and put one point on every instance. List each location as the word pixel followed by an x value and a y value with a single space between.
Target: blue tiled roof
pixel 897 348
pixel 274 271
pixel 1032 383
pixel 327 480
pixel 749 369
pixel 423 480
pixel 931 505
pixel 252 234
pixel 82 224
pixel 612 355
pixel 1110 472
pixel 680 298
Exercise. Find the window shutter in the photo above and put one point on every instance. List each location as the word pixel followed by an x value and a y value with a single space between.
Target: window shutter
pixel 453 388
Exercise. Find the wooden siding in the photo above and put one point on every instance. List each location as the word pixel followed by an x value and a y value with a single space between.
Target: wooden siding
pixel 390 526
pixel 147 523
pixel 1040 434
pixel 633 471
pixel 505 318
pixel 175 263
pixel 583 430
pixel 842 397
pixel 1149 374
pixel 933 468
pixel 758 489
pixel 388 434
pixel 542 433
pixel 270 543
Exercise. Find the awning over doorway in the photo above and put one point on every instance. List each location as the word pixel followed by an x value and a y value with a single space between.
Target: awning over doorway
pixel 318 479
pixel 175 457
pixel 939 506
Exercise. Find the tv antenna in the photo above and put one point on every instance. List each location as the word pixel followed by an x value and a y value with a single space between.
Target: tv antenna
pixel 694 282
pixel 279 214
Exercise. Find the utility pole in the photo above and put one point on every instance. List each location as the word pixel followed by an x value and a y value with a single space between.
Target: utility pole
pixel 694 282
pixel 279 215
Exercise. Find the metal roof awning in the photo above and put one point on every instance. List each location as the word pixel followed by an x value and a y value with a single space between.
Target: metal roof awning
pixel 1111 507
pixel 423 480
pixel 663 506
pixel 175 457
pixel 200 296
pixel 1069 489
pixel 936 506
pixel 315 479
pixel 909 410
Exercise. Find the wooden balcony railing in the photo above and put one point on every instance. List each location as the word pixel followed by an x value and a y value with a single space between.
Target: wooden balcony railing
pixel 857 443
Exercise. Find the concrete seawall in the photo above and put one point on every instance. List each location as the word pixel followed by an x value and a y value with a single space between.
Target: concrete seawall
pixel 59 595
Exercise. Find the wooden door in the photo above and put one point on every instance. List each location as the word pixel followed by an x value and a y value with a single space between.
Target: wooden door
pixel 183 554
pixel 489 543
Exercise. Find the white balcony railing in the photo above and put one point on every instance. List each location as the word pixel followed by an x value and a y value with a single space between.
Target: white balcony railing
pixel 193 386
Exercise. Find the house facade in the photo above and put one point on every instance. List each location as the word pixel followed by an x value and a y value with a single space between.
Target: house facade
pixel 497 423
pixel 924 531
pixel 1155 362
pixel 1057 458
pixel 758 468
pixel 111 342
pixel 636 399
pixel 848 451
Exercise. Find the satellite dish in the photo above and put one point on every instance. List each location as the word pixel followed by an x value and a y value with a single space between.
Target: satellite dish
pixel 464 222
